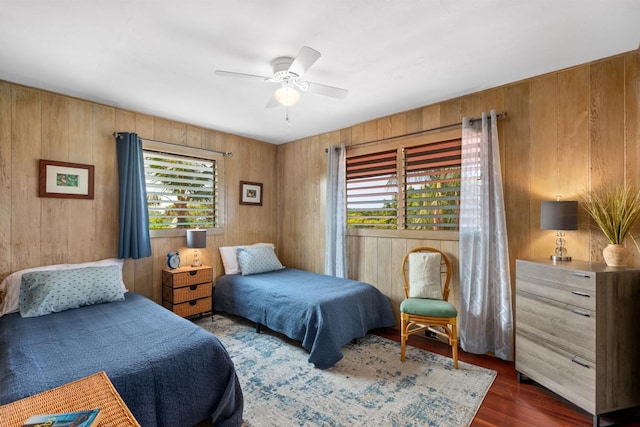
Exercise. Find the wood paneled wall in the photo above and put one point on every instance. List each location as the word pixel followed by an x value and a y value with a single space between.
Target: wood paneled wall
pixel 567 132
pixel 36 231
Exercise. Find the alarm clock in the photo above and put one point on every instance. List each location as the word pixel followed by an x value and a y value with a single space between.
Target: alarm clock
pixel 173 259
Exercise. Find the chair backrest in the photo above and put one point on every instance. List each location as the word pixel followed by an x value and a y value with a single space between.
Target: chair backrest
pixel 445 271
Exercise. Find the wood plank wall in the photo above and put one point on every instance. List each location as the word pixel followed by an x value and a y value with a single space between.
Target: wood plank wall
pixel 567 132
pixel 37 231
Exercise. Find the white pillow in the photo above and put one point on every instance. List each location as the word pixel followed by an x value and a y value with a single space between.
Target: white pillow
pixel 230 257
pixel 10 286
pixel 424 275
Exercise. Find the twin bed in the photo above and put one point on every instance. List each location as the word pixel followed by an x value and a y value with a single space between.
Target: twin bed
pixel 76 320
pixel 167 370
pixel 322 312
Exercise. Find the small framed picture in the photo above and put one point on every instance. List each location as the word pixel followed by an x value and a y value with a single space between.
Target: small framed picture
pixel 250 193
pixel 66 180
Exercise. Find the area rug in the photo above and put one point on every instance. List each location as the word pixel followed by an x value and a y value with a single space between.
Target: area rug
pixel 369 386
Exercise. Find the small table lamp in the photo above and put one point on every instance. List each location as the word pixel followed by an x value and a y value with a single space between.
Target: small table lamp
pixel 196 239
pixel 559 215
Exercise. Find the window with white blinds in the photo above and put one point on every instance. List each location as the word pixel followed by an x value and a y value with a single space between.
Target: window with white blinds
pixel 432 186
pixel 372 190
pixel 181 190
pixel 408 188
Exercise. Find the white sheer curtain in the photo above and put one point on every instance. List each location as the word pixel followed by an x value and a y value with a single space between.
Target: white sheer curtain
pixel 486 319
pixel 335 263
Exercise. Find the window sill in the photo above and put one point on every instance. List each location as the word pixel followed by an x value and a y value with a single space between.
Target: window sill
pixel 180 232
pixel 405 234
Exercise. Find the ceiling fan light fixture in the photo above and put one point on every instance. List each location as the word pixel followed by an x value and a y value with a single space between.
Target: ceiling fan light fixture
pixel 287 96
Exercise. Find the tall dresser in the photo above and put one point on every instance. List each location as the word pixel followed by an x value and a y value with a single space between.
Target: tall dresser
pixel 578 332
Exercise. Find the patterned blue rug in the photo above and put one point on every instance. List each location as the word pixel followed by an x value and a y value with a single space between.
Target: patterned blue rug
pixel 369 386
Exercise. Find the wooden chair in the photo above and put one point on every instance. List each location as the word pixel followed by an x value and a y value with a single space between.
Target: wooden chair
pixel 427 314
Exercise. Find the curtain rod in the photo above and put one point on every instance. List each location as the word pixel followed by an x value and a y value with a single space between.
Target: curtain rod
pixel 224 153
pixel 502 115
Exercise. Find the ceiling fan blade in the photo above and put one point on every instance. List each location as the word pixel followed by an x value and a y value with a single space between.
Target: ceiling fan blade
pixel 241 75
pixel 333 92
pixel 305 59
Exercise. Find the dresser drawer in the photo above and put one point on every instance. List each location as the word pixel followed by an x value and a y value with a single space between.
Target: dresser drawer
pixel 190 308
pixel 178 279
pixel 563 373
pixel 563 325
pixel 582 280
pixel 186 293
pixel 561 292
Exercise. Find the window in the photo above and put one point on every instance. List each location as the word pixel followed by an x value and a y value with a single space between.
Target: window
pixel 372 190
pixel 432 186
pixel 182 189
pixel 408 188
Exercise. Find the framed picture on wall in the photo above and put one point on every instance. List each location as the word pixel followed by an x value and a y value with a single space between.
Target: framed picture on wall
pixel 66 180
pixel 250 193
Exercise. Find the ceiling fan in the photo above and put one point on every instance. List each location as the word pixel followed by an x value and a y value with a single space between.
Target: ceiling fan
pixel 288 72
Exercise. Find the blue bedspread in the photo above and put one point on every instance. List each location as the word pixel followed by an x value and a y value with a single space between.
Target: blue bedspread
pixel 323 312
pixel 168 371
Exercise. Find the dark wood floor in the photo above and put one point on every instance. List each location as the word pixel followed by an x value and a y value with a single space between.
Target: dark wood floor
pixel 510 403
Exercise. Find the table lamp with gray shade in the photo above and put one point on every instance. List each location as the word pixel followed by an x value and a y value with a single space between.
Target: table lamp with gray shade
pixel 559 215
pixel 196 239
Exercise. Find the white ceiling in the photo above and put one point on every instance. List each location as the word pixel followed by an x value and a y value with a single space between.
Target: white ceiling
pixel 159 57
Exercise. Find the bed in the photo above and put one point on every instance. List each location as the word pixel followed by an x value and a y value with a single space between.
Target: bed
pixel 323 312
pixel 167 370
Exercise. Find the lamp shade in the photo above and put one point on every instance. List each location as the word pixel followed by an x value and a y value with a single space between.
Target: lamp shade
pixel 197 238
pixel 559 215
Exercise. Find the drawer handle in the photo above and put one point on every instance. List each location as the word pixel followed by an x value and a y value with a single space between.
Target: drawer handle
pixel 582 275
pixel 577 362
pixel 580 313
pixel 193 272
pixel 193 287
pixel 581 294
pixel 192 303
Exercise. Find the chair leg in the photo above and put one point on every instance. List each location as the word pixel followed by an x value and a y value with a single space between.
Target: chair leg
pixel 454 348
pixel 403 340
pixel 454 345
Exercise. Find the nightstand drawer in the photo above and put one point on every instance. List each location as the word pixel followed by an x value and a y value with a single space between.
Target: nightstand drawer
pixel 178 279
pixel 190 308
pixel 186 293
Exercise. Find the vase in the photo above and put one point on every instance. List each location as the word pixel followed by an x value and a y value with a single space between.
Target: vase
pixel 615 255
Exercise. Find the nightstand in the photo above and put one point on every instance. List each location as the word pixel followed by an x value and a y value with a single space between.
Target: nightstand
pixel 187 291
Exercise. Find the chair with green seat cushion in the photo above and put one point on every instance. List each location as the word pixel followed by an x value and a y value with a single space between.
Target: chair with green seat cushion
pixel 426 273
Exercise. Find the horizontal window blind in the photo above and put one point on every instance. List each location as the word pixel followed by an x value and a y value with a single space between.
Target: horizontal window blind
pixel 420 191
pixel 372 190
pixel 432 186
pixel 181 191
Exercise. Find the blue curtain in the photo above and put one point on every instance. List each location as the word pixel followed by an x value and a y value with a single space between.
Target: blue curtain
pixel 134 239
